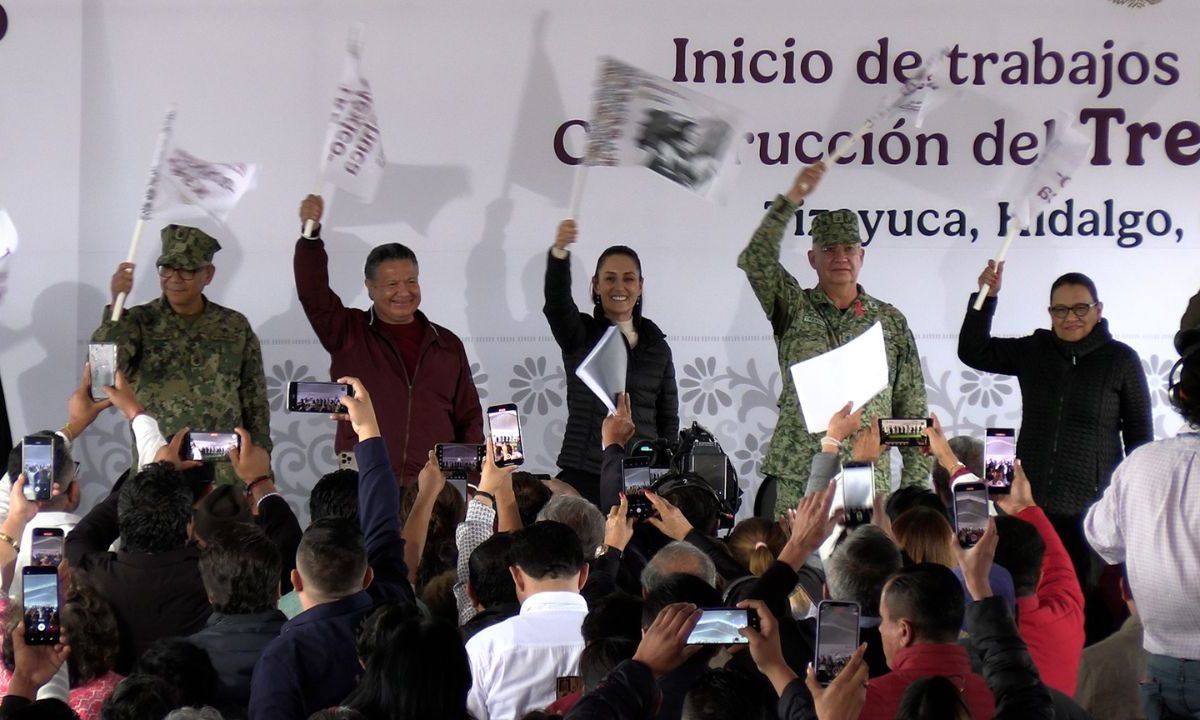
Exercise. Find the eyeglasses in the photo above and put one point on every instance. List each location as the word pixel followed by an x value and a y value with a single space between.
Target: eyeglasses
pixel 164 272
pixel 1081 310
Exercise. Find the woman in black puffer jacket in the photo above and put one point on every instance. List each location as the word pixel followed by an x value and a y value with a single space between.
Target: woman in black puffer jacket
pixel 617 296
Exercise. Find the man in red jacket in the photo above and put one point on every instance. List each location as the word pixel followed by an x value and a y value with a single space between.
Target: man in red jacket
pixel 1049 599
pixel 923 608
pixel 417 371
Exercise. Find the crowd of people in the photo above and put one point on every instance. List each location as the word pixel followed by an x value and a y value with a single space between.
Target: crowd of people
pixel 190 590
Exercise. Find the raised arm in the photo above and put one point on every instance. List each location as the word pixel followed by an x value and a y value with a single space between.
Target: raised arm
pixel 976 346
pixel 560 309
pixel 774 286
pixel 310 264
pixel 416 527
pixel 126 333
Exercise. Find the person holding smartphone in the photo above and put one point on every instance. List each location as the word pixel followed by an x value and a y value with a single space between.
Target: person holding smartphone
pixel 420 367
pixel 616 292
pixel 1084 400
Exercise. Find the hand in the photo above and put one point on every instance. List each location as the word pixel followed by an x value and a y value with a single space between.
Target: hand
pixel 21 510
pixel 844 423
pixel 765 647
pixel 879 516
pixel 847 694
pixel 249 461
pixel 82 411
pixel 618 428
pixel 311 208
pixel 124 398
pixel 1020 496
pixel 806 182
pixel 360 413
pixel 811 526
pixel 618 528
pixel 866 447
pixel 976 563
pixel 35 664
pixel 991 277
pixel 493 479
pixel 939 447
pixel 122 280
pixel 670 520
pixel 431 479
pixel 172 452
pixel 568 232
pixel 664 644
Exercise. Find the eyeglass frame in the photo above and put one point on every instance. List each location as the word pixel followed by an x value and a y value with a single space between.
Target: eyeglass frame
pixel 1062 311
pixel 184 275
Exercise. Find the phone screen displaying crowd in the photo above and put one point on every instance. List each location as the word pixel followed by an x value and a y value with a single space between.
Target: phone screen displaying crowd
pixel 721 626
pixel 837 637
pixel 37 463
pixel 505 427
pixel 999 459
pixel 317 397
pixel 40 589
pixel 47 550
pixel 970 512
pixel 211 446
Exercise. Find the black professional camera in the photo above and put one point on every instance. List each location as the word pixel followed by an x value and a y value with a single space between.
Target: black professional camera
pixel 697 452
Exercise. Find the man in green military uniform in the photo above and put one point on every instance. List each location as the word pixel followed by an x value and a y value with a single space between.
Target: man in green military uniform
pixel 192 362
pixel 809 322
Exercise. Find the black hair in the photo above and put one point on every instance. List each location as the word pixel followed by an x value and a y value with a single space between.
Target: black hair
pixel 1074 278
pixel 601 656
pixel 911 496
pixel 637 261
pixel 678 588
pixel 430 658
pixel 438 596
pixel 935 696
pixel 45 709
pixel 547 550
pixel 383 253
pixel 860 565
pixel 240 567
pixel 331 558
pixel 88 620
pixel 618 615
pixel 1020 550
pixel 183 665
pixel 153 510
pixel 695 499
pixel 141 697
pixel 930 597
pixel 1185 394
pixel 380 626
pixel 337 713
pixel 334 496
pixel 488 573
pixel 726 693
pixel 63 467
pixel 532 495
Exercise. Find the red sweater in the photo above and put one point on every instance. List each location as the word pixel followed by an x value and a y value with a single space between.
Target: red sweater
pixel 925 660
pixel 433 402
pixel 1051 620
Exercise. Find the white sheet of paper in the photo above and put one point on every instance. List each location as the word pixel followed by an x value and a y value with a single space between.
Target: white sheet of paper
pixel 854 372
pixel 605 368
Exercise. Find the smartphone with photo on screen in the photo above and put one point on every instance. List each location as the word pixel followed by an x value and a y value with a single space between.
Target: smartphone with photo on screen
pixel 102 359
pixel 39 587
pixel 459 457
pixel 857 486
pixel 505 426
pixel 37 462
pixel 837 637
pixel 47 549
pixel 970 511
pixel 211 446
pixel 999 459
pixel 317 397
pixel 635 480
pixel 720 626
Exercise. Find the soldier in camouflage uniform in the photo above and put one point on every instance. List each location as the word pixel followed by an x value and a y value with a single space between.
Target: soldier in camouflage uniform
pixel 192 362
pixel 809 322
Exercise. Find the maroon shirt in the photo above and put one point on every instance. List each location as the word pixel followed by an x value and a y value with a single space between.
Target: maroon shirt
pixel 430 400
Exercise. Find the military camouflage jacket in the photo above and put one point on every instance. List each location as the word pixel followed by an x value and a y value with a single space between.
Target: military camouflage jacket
pixel 203 372
pixel 806 323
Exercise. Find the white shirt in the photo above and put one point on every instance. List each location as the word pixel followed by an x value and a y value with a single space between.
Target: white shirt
pixel 515 663
pixel 1149 518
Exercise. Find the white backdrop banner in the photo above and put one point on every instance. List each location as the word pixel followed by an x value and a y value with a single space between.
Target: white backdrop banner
pixel 486 108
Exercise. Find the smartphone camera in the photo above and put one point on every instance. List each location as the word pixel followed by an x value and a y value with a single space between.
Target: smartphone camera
pixel 505 427
pixel 459 457
pixel 102 358
pixel 317 397
pixel 858 493
pixel 40 589
pixel 635 479
pixel 47 549
pixel 970 512
pixel 999 459
pixel 837 637
pixel 211 446
pixel 37 462
pixel 721 626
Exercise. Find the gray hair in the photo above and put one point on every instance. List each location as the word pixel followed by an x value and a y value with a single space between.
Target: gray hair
pixel 194 713
pixel 860 566
pixel 678 557
pixel 581 516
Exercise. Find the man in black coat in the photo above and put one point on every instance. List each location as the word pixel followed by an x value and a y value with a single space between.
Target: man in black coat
pixel 1085 402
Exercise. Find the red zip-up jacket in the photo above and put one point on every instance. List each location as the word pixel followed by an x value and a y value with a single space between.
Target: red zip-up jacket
pixel 924 660
pixel 435 402
pixel 1051 620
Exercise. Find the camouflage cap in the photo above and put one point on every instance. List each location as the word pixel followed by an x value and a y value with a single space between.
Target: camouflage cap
pixel 835 227
pixel 186 247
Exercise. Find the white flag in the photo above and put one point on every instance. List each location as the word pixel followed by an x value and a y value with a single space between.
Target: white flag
pixel 160 147
pixel 188 185
pixel 8 235
pixel 641 119
pixel 352 157
pixel 924 91
pixel 1057 164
